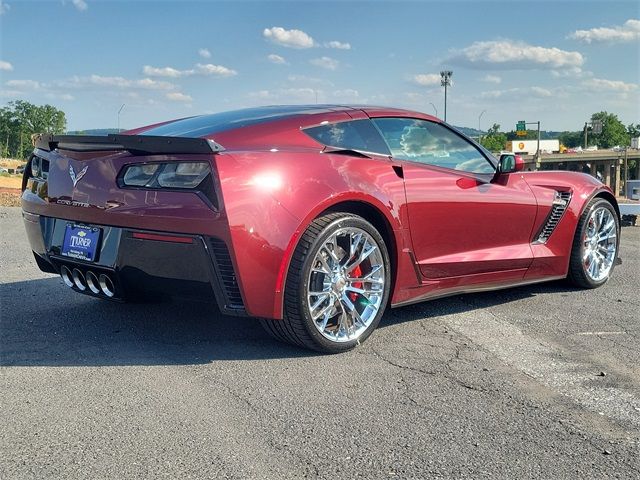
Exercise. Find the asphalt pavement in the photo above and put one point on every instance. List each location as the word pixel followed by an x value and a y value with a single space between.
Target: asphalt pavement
pixel 533 382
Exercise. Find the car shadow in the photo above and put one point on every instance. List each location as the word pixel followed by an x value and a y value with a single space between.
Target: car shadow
pixel 43 323
pixel 462 303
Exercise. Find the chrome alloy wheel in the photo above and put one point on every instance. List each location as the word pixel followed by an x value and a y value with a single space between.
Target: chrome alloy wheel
pixel 346 284
pixel 600 244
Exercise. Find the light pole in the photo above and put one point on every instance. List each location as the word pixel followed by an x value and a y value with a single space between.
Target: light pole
pixel 445 81
pixel 434 108
pixel 479 117
pixel 119 111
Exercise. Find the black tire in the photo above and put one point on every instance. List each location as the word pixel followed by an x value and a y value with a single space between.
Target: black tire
pixel 577 271
pixel 297 327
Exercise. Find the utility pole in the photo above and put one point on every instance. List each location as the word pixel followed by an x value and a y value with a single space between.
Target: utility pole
pixel 626 170
pixel 586 128
pixel 538 148
pixel 445 81
pixel 119 117
pixel 479 117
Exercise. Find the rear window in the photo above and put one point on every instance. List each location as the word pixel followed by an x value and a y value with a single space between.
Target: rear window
pixel 353 135
pixel 211 124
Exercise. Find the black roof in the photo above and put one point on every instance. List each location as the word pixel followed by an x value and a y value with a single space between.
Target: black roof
pixel 204 125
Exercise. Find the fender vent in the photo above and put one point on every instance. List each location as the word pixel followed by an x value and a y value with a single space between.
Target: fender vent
pixel 560 204
pixel 226 274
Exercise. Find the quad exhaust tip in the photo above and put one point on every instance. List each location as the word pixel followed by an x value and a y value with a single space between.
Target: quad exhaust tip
pixel 106 285
pixel 93 283
pixel 97 284
pixel 65 273
pixel 78 280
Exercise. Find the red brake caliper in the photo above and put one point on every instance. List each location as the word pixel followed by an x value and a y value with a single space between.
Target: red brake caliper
pixel 356 272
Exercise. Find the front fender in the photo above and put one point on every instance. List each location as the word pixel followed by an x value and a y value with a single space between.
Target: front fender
pixel 552 258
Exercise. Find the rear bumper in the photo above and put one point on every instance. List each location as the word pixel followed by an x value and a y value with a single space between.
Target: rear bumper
pixel 145 263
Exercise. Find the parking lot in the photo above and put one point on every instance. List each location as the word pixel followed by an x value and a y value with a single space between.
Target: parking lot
pixel 534 382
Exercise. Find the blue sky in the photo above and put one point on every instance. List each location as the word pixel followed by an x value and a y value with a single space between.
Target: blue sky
pixel 552 61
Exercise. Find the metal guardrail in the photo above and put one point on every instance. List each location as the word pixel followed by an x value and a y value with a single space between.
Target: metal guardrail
pixel 629 208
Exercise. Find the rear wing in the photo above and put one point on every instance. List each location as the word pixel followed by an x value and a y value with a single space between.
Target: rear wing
pixel 136 144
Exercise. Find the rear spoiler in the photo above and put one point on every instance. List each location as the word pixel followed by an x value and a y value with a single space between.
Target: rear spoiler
pixel 136 144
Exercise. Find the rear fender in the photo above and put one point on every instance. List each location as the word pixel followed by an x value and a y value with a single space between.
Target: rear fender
pixel 271 198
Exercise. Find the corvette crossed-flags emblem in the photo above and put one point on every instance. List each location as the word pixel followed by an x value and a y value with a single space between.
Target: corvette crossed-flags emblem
pixel 77 177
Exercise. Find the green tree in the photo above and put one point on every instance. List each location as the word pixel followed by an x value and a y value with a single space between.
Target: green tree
pixel 633 130
pixel 613 131
pixel 494 140
pixel 531 135
pixel 571 139
pixel 19 120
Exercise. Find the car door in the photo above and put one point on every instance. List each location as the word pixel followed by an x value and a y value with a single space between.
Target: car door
pixel 463 221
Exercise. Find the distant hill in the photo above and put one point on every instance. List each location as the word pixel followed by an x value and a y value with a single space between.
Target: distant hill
pixel 470 132
pixel 94 131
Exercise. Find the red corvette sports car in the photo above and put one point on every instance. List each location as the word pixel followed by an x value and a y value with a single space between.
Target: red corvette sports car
pixel 313 219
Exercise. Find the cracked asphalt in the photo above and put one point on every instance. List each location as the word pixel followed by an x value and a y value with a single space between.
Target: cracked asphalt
pixel 533 382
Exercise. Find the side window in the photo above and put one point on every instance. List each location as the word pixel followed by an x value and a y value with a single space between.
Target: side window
pixel 433 144
pixel 353 135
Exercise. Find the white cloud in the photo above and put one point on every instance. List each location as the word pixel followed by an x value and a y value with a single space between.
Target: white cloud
pixel 118 82
pixel 570 72
pixel 60 96
pixel 288 38
pixel 23 84
pixel 518 93
pixel 165 72
pixel 600 84
pixel 10 93
pixel 426 79
pixel 80 5
pixel 4 7
pixel 277 59
pixel 307 80
pixel 204 53
pixel 507 54
pixel 263 94
pixel 325 62
pixel 178 97
pixel 346 93
pixel 338 45
pixel 215 70
pixel 200 69
pixel 628 32
pixel 492 79
pixel 287 95
pixel 6 66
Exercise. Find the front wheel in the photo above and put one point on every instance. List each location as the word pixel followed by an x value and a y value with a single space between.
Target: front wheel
pixel 595 245
pixel 337 285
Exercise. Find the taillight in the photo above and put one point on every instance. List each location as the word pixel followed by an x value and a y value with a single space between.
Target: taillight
pixel 181 175
pixel 177 176
pixel 37 167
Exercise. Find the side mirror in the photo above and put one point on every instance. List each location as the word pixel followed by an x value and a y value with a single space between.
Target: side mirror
pixel 510 163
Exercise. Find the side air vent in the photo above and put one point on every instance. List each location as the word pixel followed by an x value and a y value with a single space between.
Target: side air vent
pixel 226 275
pixel 560 204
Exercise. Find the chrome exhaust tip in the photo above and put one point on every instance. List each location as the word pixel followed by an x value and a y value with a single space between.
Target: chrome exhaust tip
pixel 92 282
pixel 65 273
pixel 106 285
pixel 78 280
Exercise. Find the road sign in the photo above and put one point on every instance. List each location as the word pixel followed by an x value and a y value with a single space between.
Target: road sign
pixel 521 133
pixel 521 126
pixel 596 126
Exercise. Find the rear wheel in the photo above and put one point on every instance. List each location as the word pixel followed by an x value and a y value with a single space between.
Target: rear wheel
pixel 595 245
pixel 337 285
